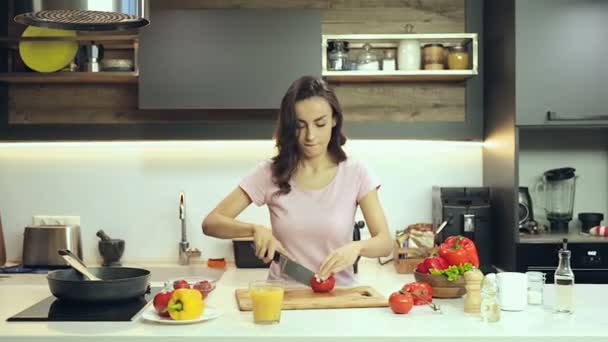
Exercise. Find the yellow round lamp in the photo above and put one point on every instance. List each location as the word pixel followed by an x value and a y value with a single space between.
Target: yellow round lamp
pixel 47 56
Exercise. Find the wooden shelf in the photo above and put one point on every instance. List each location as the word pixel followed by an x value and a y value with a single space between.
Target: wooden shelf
pixel 69 77
pixel 381 42
pixel 398 76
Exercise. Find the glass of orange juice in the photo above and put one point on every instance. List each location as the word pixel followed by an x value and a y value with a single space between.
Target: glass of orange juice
pixel 267 299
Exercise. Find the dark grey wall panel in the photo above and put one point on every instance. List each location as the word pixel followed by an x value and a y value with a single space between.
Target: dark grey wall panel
pixel 226 59
pixel 561 54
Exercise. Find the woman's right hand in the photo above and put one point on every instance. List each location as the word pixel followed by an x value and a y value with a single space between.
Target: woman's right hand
pixel 266 244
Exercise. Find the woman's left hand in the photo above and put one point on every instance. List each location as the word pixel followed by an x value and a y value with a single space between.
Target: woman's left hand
pixel 340 259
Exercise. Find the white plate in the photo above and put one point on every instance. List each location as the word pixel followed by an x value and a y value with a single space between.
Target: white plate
pixel 150 315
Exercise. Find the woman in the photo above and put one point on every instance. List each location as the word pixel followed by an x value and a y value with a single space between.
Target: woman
pixel 311 190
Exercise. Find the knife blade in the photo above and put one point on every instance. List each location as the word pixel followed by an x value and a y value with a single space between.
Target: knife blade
pixel 294 270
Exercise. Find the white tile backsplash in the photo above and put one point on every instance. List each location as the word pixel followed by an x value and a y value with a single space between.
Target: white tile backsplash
pixel 131 189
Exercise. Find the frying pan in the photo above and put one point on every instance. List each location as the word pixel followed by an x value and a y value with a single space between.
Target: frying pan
pixel 116 284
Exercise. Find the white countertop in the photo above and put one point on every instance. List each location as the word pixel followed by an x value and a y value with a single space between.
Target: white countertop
pixel 534 324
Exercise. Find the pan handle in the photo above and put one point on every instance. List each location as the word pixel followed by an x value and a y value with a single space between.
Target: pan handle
pixel 76 263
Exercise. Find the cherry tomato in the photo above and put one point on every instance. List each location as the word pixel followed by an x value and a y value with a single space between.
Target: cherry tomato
pixel 422 292
pixel 319 285
pixel 204 287
pixel 401 302
pixel 181 284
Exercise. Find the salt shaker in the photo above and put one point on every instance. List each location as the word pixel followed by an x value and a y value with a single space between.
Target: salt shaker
pixel 536 282
pixel 472 300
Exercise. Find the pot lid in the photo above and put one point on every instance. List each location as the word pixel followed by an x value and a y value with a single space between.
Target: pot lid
pixel 81 20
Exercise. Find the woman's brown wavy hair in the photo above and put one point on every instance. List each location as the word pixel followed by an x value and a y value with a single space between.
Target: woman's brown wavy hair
pixel 286 161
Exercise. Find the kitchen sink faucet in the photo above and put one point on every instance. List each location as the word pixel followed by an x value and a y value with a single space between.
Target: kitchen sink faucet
pixel 185 252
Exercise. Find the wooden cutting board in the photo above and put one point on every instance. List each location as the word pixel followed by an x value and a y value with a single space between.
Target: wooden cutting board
pixel 305 298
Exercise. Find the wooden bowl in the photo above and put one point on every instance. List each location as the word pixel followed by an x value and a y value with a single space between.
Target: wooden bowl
pixel 442 288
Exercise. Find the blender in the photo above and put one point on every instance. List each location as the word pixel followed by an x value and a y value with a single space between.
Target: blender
pixel 556 188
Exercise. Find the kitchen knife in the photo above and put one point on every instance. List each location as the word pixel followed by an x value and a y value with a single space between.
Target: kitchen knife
pixel 294 270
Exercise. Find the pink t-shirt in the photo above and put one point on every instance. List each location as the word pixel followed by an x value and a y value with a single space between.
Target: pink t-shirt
pixel 310 224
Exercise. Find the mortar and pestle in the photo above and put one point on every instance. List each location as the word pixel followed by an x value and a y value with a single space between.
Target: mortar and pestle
pixel 110 249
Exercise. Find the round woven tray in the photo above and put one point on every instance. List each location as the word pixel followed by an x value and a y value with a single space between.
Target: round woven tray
pixel 81 20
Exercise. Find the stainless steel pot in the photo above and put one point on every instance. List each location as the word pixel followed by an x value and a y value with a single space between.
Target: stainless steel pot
pixel 40 244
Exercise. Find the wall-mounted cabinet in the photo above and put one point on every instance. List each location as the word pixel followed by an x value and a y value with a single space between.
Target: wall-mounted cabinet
pixel 226 59
pixel 560 62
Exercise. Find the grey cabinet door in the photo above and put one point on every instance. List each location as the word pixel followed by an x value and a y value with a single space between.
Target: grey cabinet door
pixel 561 62
pixel 226 59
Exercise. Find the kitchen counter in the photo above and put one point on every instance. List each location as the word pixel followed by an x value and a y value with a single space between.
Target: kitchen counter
pixel 421 324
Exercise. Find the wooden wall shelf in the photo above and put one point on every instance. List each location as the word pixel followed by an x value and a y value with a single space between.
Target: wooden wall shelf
pixel 398 76
pixel 381 42
pixel 69 77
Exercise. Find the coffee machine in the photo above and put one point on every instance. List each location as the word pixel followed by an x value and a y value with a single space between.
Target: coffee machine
pixel 468 212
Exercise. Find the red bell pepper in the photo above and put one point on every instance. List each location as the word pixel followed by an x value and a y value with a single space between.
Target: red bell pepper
pixel 435 262
pixel 458 250
pixel 422 292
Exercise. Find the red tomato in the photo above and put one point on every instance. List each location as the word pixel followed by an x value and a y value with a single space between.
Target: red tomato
pixel 401 302
pixel 160 302
pixel 422 292
pixel 322 285
pixel 204 287
pixel 181 284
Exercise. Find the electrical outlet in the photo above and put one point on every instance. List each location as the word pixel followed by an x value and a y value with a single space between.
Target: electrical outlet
pixel 56 220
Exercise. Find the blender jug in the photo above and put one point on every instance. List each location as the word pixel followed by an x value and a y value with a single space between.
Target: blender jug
pixel 556 189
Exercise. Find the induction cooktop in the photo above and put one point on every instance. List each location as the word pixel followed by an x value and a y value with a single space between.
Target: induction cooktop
pixel 53 309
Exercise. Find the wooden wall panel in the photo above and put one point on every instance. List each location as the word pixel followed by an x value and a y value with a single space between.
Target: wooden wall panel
pixel 392 102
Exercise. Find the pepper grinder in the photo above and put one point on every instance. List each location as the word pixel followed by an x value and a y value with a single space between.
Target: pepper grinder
pixel 472 300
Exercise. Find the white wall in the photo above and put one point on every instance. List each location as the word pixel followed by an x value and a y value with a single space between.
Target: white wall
pixel 131 189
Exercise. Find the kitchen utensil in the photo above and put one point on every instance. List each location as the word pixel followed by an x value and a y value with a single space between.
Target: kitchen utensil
pixel 111 250
pixel 47 56
pixel 77 264
pixel 304 298
pixel 590 220
pixel 472 299
pixel 442 288
pixel 93 55
pixel 556 190
pixel 294 270
pixel 81 20
pixel 150 315
pixel 512 290
pixel 2 245
pixel 117 284
pixel 41 243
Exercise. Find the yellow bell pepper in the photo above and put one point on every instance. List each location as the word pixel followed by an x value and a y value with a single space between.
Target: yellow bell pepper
pixel 185 304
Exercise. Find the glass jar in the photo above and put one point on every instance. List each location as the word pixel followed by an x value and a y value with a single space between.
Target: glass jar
pixel 433 56
pixel 458 58
pixel 368 59
pixel 536 283
pixel 389 63
pixel 338 56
